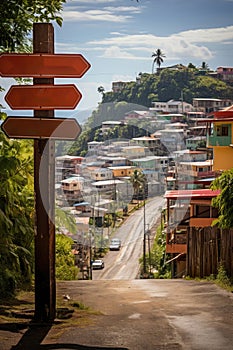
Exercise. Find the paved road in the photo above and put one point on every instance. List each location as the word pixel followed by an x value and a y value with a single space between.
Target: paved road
pixel 124 264
pixel 137 315
pixel 134 314
pixel 158 314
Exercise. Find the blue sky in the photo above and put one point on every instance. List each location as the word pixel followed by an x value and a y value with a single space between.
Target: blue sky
pixel 118 37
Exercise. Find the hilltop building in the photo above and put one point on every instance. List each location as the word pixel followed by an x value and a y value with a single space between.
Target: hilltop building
pixel 210 105
pixel 172 106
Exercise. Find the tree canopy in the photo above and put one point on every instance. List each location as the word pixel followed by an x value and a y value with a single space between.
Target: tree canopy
pixel 224 201
pixel 168 85
pixel 16 156
pixel 17 18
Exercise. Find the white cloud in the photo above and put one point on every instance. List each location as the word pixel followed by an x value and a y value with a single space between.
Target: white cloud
pixel 116 52
pixel 130 9
pixel 116 33
pixel 120 77
pixel 191 43
pixel 210 35
pixel 94 15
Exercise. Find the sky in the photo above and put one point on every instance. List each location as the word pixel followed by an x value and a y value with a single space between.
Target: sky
pixel 118 38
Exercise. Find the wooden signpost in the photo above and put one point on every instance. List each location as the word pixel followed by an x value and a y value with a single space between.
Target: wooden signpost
pixel 41 128
pixel 43 97
pixel 43 65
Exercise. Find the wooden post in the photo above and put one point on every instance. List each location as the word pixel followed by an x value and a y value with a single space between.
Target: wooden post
pixel 44 187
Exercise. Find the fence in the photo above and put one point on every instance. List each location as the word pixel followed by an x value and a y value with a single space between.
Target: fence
pixel 206 248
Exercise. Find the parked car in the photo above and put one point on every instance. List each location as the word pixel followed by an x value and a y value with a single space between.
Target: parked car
pixel 97 264
pixel 115 244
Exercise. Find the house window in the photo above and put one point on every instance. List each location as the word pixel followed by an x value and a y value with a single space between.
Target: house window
pixel 203 211
pixel 222 130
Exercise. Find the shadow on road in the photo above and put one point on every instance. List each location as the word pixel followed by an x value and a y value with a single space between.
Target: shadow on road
pixel 34 336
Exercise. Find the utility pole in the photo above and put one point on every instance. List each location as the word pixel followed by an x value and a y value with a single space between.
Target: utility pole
pixel 144 236
pixel 90 253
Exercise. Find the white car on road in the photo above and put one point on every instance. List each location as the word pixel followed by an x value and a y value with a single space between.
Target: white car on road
pixel 97 264
pixel 115 244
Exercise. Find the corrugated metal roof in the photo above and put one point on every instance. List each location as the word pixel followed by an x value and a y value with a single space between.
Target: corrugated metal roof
pixel 191 194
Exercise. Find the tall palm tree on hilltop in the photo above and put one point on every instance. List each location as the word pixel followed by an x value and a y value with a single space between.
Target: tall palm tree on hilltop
pixel 158 58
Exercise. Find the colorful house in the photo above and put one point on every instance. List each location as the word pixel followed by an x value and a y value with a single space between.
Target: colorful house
pixel 219 137
pixel 185 209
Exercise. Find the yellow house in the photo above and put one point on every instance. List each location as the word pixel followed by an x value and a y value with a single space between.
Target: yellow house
pixel 123 171
pixel 219 137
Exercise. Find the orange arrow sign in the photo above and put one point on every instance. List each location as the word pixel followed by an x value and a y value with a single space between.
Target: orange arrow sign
pixel 43 65
pixel 43 97
pixel 36 128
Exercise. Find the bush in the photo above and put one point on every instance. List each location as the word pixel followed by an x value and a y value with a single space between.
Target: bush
pixel 65 260
pixel 222 277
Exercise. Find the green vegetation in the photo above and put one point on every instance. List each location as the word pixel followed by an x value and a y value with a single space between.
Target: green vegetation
pixel 17 18
pixel 65 260
pixel 158 255
pixel 169 84
pixel 138 95
pixel 19 311
pixel 16 215
pixel 156 260
pixel 138 181
pixel 224 201
pixel 222 279
pixel 16 157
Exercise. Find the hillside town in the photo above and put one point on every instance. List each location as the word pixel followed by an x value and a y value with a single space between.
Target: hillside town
pixel 191 144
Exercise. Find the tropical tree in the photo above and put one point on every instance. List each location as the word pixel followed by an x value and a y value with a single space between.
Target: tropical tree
pixel 224 201
pixel 17 18
pixel 204 66
pixel 65 259
pixel 158 56
pixel 191 66
pixel 16 156
pixel 16 214
pixel 138 181
pixel 101 90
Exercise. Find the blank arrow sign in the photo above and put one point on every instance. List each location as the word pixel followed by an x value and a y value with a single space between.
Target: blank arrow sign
pixel 43 65
pixel 36 128
pixel 42 97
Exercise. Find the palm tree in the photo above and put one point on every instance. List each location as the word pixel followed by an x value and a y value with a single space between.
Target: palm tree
pixel 101 90
pixel 138 181
pixel 158 58
pixel 204 66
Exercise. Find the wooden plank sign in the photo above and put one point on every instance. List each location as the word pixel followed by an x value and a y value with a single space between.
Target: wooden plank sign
pixel 43 97
pixel 43 65
pixel 37 128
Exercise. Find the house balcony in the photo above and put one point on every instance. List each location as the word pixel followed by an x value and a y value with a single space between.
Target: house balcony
pixel 201 222
pixel 196 173
pixel 218 140
pixel 176 242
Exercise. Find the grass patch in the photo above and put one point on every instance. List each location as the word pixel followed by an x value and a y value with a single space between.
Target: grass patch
pixel 19 312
